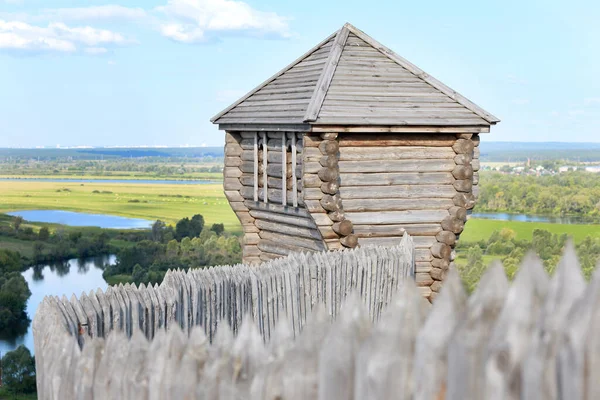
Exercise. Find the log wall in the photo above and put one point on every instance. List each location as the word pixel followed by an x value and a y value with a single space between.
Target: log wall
pixel 263 183
pixel 388 184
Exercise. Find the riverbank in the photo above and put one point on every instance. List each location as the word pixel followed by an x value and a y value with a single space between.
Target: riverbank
pixel 167 202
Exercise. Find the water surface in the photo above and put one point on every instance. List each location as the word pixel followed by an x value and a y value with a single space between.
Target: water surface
pixel 58 279
pixel 82 219
pixel 128 181
pixel 552 219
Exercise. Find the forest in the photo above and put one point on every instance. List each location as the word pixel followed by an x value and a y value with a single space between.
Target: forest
pixel 569 193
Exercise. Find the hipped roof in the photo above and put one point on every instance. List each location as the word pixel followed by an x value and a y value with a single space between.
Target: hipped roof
pixel 351 79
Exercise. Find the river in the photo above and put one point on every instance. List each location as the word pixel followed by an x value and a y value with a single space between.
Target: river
pixel 551 219
pixel 62 278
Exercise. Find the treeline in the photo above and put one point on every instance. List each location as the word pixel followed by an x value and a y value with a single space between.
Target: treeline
pixel 18 374
pixel 187 245
pixel 573 193
pixel 14 293
pixel 505 246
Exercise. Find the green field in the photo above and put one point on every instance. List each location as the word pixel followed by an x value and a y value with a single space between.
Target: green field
pixel 148 201
pixel 128 175
pixel 482 229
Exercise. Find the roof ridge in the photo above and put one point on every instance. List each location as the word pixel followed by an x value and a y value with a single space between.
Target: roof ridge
pixel 322 86
pixel 422 74
pixel 272 78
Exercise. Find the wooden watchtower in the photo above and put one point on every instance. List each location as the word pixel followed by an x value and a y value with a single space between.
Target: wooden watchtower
pixel 353 145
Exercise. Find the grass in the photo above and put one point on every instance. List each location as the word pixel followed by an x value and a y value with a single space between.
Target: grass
pixel 116 279
pixel 6 395
pixel 482 229
pixel 157 201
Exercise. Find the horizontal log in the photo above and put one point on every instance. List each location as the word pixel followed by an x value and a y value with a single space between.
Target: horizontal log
pixel 251 239
pixel 291 230
pixel 312 167
pixel 452 224
pixel 232 172
pixel 333 244
pixel 399 191
pixel 465 185
pixel 233 195
pixel 443 264
pixel 311 181
pixel 277 247
pixel 367 231
pixel 460 200
pixel 476 140
pixel 232 184
pixel 423 267
pixel 327 233
pixel 245 217
pixel 252 260
pixel 312 194
pixel 330 161
pixel 407 139
pixel 462 172
pixel 446 237
pixel 475 178
pixel 396 204
pixel 250 228
pixel 476 164
pixel 329 147
pixel 437 274
pixel 464 135
pixel 476 153
pixel 331 203
pixel 250 251
pixel 284 219
pixel 328 174
pixel 397 217
pixel 312 153
pixel 436 286
pixel 463 159
pixel 423 255
pixel 275 183
pixel 233 161
pixel 322 219
pixel 231 137
pixel 330 187
pixel 463 146
pixel 343 228
pixel 301 244
pixel 314 205
pixel 423 165
pixel 277 208
pixel 238 206
pixel 273 169
pixel 423 279
pixel 311 140
pixel 350 241
pixel 274 195
pixel 421 242
pixel 441 250
pixel 395 153
pixel 232 150
pixel 458 212
pixel 336 216
pixel 476 191
pixel 399 178
pixel 395 129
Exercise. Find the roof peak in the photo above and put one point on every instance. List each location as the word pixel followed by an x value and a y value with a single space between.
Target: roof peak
pixel 328 67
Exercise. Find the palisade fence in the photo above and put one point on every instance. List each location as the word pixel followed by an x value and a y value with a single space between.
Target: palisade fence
pixel 537 338
pixel 211 298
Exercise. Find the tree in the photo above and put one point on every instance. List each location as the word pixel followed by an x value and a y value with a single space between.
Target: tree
pixel 218 229
pixel 182 228
pixel 158 231
pixel 196 225
pixel 18 370
pixel 44 234
pixel 38 251
pixel 17 222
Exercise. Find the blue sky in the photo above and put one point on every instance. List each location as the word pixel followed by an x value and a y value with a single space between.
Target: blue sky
pixel 154 72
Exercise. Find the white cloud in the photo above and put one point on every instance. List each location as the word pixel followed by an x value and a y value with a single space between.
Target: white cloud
pixel 106 12
pixel 96 50
pixel 521 102
pixel 194 21
pixel 112 62
pixel 24 38
pixel 515 80
pixel 574 113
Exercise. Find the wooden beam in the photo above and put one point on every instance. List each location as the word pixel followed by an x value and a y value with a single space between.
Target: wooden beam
pixel 324 81
pixel 255 166
pixel 294 180
pixel 283 170
pixel 265 127
pixel 265 175
pixel 400 129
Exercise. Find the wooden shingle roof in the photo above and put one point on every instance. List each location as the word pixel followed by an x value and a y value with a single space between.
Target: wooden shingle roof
pixel 351 79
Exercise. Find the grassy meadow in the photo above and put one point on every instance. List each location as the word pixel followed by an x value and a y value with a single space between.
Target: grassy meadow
pixel 167 202
pixel 482 229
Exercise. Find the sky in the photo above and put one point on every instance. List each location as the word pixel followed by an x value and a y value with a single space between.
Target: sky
pixel 153 72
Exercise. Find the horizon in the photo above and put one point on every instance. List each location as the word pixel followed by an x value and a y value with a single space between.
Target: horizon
pixel 131 72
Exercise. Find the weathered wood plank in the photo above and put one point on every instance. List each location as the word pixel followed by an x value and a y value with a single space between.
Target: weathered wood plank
pixel 420 165
pixel 397 217
pixel 400 178
pixel 425 203
pixel 369 230
pixel 395 153
pixel 399 191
